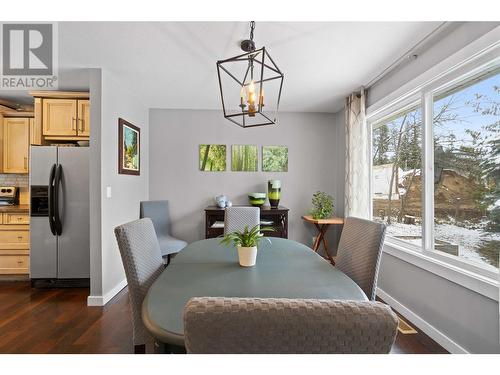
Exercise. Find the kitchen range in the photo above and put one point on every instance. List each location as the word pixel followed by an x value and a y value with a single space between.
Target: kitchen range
pixel 9 195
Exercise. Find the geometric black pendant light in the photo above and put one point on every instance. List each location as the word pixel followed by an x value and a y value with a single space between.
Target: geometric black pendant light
pixel 250 86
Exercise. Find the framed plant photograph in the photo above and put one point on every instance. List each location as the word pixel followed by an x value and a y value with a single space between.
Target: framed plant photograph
pixel 244 158
pixel 274 159
pixel 129 148
pixel 212 158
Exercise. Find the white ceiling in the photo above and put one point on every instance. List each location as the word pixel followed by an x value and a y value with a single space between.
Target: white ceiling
pixel 172 64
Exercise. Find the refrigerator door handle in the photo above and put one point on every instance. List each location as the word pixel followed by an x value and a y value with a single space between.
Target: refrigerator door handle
pixel 57 184
pixel 51 199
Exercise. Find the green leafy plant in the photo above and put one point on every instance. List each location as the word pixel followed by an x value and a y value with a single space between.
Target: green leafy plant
pixel 322 205
pixel 247 238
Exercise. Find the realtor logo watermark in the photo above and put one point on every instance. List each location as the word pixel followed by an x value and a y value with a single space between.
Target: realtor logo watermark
pixel 29 56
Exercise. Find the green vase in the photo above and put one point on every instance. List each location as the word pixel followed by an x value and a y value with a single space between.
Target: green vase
pixel 274 192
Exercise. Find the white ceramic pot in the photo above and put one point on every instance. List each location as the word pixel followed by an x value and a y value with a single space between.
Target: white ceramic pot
pixel 247 256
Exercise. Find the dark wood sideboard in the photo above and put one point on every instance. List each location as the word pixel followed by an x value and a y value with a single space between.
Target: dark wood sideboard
pixel 272 217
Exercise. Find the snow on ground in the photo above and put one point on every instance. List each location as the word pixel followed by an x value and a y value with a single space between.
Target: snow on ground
pixel 467 239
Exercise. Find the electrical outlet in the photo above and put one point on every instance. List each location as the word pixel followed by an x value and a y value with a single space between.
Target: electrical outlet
pixel 108 191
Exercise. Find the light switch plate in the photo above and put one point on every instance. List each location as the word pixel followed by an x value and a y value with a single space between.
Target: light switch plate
pixel 108 191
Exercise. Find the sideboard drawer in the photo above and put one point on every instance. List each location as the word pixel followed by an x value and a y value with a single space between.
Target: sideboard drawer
pixel 14 264
pixel 16 218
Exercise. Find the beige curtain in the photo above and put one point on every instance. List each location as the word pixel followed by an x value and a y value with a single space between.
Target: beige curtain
pixel 357 180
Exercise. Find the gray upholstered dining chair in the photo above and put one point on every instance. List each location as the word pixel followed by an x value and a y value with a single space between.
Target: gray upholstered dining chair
pixel 236 218
pixel 359 252
pixel 158 212
pixel 143 263
pixel 222 325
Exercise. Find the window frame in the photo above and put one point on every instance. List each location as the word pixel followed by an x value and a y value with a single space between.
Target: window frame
pixel 423 96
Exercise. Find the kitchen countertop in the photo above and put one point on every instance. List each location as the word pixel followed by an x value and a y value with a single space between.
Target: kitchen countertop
pixel 24 208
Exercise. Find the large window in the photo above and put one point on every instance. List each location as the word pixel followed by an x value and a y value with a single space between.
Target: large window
pixel 466 131
pixel 397 184
pixel 462 181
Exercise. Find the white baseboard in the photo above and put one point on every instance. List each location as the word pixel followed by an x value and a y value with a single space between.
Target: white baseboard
pixel 102 300
pixel 428 329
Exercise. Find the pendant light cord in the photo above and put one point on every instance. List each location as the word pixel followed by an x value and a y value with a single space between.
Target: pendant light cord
pixel 250 61
pixel 252 28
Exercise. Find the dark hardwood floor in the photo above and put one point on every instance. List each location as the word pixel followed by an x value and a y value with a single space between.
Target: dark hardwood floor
pixel 59 321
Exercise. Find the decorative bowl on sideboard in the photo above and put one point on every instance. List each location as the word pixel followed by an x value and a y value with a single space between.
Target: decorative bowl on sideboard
pixel 257 199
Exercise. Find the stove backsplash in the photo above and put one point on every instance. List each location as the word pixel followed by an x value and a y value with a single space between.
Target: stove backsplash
pixel 20 180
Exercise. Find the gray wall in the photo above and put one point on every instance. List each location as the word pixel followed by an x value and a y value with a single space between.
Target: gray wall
pixel 95 83
pixel 127 191
pixel 456 36
pixel 109 101
pixel 466 317
pixel 312 141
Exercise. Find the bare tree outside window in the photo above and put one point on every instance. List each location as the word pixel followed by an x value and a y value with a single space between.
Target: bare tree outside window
pixel 466 126
pixel 467 169
pixel 397 144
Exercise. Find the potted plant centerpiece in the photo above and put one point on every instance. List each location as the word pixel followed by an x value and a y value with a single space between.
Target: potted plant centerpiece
pixel 246 242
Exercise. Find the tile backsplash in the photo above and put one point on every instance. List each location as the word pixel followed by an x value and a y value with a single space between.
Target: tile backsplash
pixel 11 179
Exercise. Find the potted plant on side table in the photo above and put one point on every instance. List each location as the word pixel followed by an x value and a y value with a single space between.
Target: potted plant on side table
pixel 322 206
pixel 246 242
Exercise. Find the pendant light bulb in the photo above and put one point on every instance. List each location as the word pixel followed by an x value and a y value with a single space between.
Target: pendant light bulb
pixel 251 99
pixel 251 91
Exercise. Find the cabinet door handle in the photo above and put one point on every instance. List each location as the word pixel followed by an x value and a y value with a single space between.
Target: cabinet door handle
pixel 81 126
pixel 19 238
pixel 73 124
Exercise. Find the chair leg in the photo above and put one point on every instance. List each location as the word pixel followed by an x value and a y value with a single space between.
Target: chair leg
pixel 140 349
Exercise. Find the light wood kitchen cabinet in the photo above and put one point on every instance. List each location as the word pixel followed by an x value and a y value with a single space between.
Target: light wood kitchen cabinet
pixel 15 239
pixel 59 117
pixel 62 115
pixel 16 141
pixel 84 118
pixel 14 264
pixel 36 124
pixel 35 138
pixel 1 142
pixel 16 218
pixel 14 242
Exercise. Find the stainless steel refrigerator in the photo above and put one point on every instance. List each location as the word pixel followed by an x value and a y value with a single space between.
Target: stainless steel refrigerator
pixel 59 215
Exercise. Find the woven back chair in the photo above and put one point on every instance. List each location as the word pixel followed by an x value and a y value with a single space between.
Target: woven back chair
pixel 236 218
pixel 360 251
pixel 143 263
pixel 221 325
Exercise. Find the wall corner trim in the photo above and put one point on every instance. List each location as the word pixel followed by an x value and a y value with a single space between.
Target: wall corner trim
pixel 428 329
pixel 103 300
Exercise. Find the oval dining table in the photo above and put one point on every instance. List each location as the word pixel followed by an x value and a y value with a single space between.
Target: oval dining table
pixel 284 269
